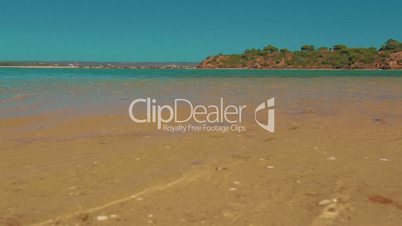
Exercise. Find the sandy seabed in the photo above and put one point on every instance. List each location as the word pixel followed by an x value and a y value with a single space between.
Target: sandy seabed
pixel 328 163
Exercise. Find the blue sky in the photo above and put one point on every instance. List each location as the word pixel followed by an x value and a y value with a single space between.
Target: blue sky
pixel 163 30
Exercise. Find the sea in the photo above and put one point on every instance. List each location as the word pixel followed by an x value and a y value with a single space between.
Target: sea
pixel 73 92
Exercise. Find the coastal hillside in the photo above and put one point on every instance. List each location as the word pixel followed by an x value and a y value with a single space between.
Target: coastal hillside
pixel 389 56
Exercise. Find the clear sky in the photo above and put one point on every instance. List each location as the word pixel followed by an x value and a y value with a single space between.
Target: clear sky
pixel 186 30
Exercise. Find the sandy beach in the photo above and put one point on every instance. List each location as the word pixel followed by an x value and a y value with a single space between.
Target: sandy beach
pixel 333 160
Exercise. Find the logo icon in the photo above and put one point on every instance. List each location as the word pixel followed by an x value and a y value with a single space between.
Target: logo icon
pixel 269 104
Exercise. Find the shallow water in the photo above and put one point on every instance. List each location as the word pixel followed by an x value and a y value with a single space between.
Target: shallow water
pixel 337 137
pixel 82 91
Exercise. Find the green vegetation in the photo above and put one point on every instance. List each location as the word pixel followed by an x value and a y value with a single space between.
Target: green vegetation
pixel 339 56
pixel 392 46
pixel 270 49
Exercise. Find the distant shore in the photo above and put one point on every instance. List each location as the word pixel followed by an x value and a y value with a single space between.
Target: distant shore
pixel 37 67
pixel 388 56
pixel 100 67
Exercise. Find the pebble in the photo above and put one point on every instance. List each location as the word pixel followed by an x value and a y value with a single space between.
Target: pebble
pixel 232 189
pixel 236 182
pixel 385 160
pixel 332 158
pixel 139 199
pixel 270 167
pixel 324 202
pixel 331 211
pixel 102 218
pixel 114 216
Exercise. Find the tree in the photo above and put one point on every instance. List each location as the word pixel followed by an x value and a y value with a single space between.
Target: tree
pixel 252 52
pixel 339 47
pixel 307 48
pixel 270 49
pixel 392 45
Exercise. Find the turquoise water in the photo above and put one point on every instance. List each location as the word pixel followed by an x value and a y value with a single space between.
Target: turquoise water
pixel 71 91
pixel 6 73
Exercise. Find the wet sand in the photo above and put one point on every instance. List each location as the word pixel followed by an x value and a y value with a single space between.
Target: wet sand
pixel 328 163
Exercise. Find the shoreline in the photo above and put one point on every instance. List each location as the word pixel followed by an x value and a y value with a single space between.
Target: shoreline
pixel 194 68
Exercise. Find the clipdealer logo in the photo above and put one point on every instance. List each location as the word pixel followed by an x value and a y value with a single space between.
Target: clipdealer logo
pixel 184 116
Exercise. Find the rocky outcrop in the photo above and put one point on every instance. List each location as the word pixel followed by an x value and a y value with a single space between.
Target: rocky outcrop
pixel 394 61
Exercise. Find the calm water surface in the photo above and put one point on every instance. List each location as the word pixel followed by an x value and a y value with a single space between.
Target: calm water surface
pixel 82 91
